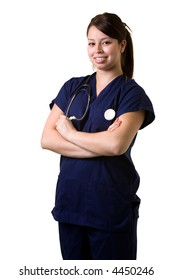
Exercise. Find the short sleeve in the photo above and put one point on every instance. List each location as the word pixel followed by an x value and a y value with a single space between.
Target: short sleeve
pixel 62 97
pixel 133 98
pixel 66 92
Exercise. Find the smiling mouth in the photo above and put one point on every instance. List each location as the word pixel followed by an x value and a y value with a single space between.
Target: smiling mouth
pixel 100 59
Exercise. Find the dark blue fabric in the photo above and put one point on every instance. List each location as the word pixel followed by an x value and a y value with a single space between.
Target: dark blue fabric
pixel 86 243
pixel 100 192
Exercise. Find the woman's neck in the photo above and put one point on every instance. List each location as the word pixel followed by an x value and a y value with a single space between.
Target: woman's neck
pixel 104 78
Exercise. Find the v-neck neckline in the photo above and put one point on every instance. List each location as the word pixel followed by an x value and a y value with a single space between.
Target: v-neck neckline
pixel 94 90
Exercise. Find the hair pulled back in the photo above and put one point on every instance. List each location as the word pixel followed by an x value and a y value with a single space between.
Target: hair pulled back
pixel 111 25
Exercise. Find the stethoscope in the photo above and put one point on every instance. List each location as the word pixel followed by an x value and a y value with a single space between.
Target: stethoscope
pixel 85 87
pixel 109 113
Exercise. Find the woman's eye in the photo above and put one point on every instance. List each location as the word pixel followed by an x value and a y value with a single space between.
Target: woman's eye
pixel 91 44
pixel 106 43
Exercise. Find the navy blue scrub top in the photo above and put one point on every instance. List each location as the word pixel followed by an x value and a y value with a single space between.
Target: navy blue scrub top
pixel 100 192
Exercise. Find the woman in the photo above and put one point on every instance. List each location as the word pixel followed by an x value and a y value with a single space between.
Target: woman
pixel 96 203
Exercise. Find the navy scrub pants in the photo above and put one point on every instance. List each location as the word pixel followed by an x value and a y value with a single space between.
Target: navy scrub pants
pixel 86 243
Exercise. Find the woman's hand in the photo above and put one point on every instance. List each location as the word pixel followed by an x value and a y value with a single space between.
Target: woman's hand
pixel 65 127
pixel 115 125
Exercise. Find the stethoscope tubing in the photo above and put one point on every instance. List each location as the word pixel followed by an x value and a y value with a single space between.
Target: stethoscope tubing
pixel 85 87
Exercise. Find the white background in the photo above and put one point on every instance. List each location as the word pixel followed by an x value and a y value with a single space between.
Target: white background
pixel 42 44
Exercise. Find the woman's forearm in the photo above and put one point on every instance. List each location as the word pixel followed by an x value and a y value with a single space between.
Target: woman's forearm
pixel 54 142
pixel 112 142
pixel 102 143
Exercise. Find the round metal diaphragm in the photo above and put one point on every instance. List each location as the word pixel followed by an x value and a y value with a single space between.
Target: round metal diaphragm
pixel 109 114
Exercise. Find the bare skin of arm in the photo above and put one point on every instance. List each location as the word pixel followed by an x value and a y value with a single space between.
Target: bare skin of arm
pixel 112 142
pixel 53 140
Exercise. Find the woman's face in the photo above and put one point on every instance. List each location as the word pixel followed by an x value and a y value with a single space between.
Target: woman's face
pixel 104 52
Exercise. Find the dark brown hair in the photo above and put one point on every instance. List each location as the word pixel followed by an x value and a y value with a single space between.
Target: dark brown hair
pixel 112 26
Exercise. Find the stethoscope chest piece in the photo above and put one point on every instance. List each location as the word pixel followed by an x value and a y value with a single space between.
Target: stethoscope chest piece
pixel 109 114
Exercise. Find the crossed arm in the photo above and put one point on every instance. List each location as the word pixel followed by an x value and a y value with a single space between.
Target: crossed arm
pixel 60 136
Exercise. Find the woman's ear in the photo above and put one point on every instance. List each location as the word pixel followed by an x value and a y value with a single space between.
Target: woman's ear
pixel 123 45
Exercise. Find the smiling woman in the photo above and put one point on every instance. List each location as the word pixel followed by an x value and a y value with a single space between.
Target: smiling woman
pixel 103 51
pixel 96 203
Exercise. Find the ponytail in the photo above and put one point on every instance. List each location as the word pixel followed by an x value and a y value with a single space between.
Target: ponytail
pixel 127 59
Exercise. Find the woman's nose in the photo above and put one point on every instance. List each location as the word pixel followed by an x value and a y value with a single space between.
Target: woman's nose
pixel 98 49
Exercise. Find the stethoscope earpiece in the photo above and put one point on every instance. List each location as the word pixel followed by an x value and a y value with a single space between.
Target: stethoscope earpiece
pixel 72 118
pixel 109 114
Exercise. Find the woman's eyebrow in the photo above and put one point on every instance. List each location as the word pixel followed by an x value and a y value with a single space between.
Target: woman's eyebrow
pixel 104 38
